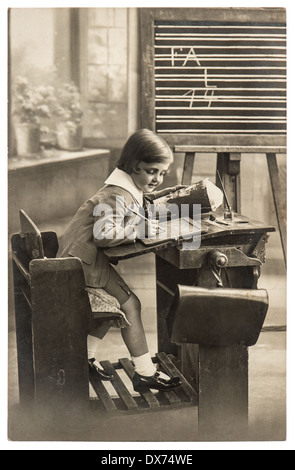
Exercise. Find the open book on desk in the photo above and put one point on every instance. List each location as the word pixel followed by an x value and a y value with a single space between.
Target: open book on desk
pixel 179 229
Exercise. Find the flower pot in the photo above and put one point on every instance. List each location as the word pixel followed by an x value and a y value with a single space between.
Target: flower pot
pixel 69 137
pixel 27 138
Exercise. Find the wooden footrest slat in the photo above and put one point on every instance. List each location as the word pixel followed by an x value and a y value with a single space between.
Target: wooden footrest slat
pixel 172 398
pixel 102 393
pixel 172 370
pixel 120 387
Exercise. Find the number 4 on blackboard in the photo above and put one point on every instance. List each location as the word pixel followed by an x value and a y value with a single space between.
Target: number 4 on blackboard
pixel 207 90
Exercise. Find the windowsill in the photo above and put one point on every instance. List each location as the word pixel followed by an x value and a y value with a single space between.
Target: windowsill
pixel 53 156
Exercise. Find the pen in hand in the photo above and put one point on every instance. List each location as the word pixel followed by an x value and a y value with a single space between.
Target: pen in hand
pixel 145 218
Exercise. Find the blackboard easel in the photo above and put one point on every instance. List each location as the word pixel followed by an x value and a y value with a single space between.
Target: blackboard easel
pixel 213 81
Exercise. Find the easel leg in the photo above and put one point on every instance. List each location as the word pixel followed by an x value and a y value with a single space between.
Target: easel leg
pixel 188 168
pixel 228 165
pixel 278 199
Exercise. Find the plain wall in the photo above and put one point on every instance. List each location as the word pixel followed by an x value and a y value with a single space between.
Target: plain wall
pixel 54 191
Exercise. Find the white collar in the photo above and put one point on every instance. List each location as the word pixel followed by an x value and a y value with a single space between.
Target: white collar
pixel 124 180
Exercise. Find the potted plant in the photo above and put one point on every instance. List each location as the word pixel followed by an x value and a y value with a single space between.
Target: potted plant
pixel 69 114
pixel 29 106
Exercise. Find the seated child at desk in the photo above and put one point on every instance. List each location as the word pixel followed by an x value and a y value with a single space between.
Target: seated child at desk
pixel 144 161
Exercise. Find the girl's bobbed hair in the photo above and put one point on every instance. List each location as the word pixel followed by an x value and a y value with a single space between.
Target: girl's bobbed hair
pixel 143 146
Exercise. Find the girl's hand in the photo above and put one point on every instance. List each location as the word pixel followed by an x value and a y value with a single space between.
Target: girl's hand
pixel 146 229
pixel 151 228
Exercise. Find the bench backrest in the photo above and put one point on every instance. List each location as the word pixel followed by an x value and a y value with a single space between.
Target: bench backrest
pixel 32 236
pixel 52 319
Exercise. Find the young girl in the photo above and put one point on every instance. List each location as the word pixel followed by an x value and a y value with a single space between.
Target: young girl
pixel 144 161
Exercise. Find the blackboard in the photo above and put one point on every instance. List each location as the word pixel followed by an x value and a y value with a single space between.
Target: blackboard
pixel 212 74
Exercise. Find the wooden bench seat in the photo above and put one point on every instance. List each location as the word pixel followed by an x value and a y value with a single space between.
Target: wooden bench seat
pixel 53 318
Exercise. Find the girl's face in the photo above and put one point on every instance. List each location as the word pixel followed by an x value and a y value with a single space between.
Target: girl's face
pixel 150 175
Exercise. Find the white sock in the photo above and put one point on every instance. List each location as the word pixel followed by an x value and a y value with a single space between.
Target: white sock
pixel 144 366
pixel 92 345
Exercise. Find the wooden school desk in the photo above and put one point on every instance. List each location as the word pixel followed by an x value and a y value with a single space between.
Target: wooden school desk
pixel 243 245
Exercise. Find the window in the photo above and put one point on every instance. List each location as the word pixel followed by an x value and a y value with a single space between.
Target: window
pixel 104 74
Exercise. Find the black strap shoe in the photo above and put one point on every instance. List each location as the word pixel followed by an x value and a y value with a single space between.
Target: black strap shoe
pixel 142 383
pixel 98 372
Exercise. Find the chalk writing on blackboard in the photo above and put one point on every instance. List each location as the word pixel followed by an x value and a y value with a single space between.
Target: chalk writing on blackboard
pixel 221 78
pixel 207 88
pixel 192 56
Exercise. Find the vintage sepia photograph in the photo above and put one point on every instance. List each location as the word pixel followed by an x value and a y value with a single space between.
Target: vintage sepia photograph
pixel 147 212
